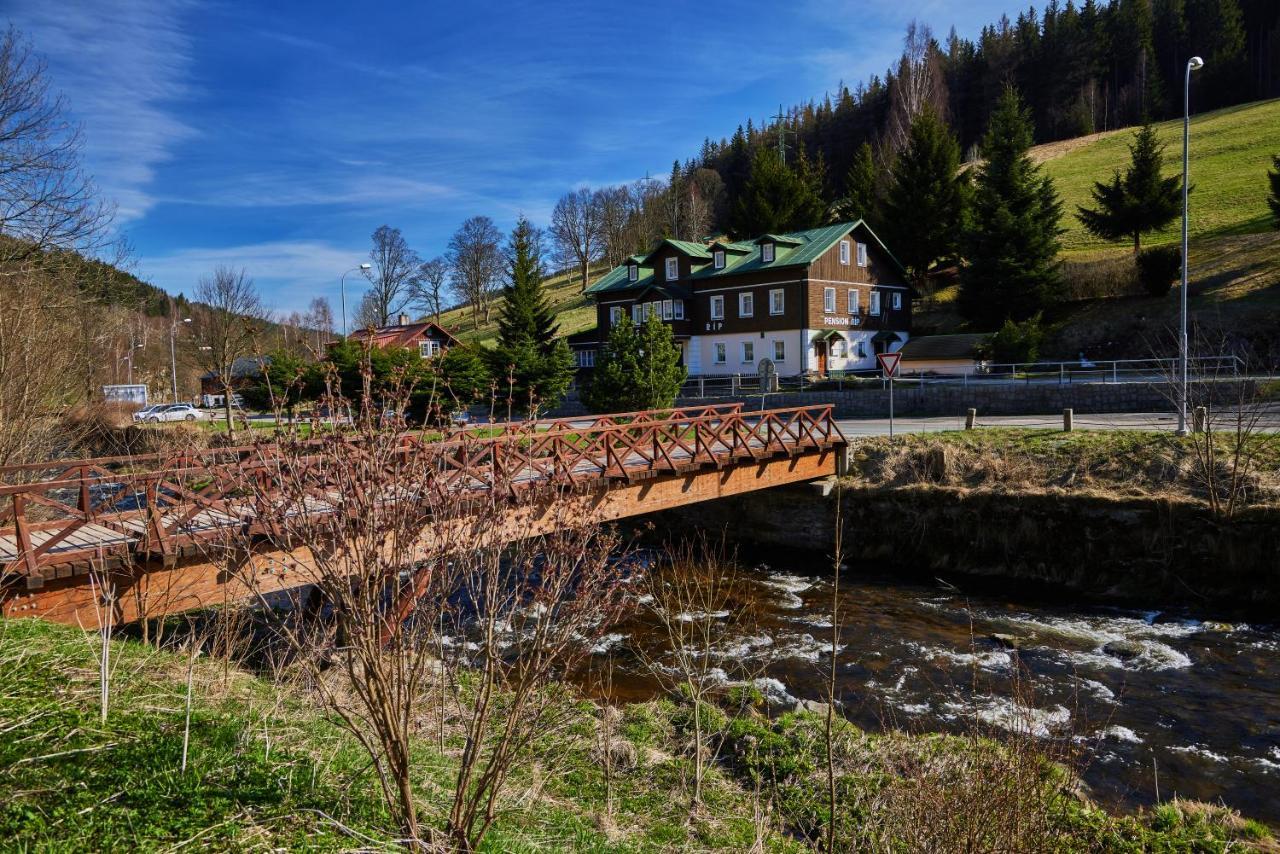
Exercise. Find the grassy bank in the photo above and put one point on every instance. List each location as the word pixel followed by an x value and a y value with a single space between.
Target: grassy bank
pixel 265 770
pixel 1130 463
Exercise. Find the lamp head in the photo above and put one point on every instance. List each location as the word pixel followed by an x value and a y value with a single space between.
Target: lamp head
pixel 1195 63
pixel 368 266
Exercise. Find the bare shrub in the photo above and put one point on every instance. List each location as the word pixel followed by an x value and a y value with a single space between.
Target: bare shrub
pixel 1100 278
pixel 693 603
pixel 429 570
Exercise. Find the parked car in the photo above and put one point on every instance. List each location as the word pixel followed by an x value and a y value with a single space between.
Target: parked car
pixel 169 412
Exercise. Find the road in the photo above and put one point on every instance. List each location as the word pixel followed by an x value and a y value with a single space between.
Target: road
pixel 1270 422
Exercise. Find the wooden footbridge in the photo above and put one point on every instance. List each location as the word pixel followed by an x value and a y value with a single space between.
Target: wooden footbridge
pixel 145 520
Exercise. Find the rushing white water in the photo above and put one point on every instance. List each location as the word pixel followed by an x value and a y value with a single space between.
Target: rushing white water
pixel 1192 698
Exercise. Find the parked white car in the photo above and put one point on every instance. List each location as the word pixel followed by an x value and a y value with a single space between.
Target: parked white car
pixel 169 412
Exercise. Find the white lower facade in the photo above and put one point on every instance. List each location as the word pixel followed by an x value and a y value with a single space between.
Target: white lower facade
pixel 792 351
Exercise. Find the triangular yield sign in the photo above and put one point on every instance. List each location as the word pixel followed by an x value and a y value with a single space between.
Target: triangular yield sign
pixel 889 363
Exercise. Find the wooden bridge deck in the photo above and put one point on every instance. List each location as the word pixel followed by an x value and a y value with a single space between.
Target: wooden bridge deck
pixel 61 520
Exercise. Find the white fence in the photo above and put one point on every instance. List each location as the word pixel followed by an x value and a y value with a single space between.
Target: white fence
pixel 982 374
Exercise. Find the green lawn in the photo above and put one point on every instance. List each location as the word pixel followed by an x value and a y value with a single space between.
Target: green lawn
pixel 1231 151
pixel 574 311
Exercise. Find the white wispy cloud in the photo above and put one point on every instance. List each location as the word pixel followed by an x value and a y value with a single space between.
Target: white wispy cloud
pixel 121 65
pixel 290 272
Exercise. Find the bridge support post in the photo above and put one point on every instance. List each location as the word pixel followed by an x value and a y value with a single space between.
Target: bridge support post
pixel 842 460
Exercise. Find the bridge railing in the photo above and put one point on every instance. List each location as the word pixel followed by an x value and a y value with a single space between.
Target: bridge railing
pixel 89 509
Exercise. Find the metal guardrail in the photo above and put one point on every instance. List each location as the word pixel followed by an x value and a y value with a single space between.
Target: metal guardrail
pixel 982 374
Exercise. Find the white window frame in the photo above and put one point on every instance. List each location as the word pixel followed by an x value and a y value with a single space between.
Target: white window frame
pixel 862 254
pixel 668 310
pixel 896 300
pixel 779 350
pixel 829 300
pixel 719 353
pixel 717 307
pixel 673 269
pixel 862 348
pixel 875 302
pixel 778 301
pixel 748 352
pixel 679 309
pixel 766 253
pixel 616 313
pixel 586 358
pixel 844 252
pixel 633 272
pixel 855 302
pixel 429 348
pixel 718 257
pixel 746 304
pixel 839 348
pixel 635 314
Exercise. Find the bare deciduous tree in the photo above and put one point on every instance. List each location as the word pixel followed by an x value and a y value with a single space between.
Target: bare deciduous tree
pixel 918 84
pixel 46 200
pixel 319 321
pixel 227 326
pixel 429 290
pixel 615 208
pixel 395 270
pixel 475 256
pixel 576 231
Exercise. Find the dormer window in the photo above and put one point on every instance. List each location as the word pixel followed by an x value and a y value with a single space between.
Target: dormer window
pixel 718 257
pixel 673 269
pixel 766 253
pixel 633 272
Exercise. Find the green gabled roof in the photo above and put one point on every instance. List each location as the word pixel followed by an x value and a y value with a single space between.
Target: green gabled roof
pixel 794 249
pixel 790 239
pixel 617 280
pixel 693 250
pixel 733 246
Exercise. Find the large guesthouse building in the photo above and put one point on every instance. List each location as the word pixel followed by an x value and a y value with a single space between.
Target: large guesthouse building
pixel 825 299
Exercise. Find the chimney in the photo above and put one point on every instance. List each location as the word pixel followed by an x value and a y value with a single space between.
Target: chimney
pixel 403 319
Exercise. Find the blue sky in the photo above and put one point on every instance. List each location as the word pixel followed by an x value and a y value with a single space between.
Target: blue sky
pixel 278 135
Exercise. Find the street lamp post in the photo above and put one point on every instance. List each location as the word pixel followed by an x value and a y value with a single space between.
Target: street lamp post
pixel 1193 64
pixel 342 285
pixel 173 350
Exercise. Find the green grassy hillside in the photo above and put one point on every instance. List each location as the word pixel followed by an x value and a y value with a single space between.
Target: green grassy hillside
pixel 1231 151
pixel 574 311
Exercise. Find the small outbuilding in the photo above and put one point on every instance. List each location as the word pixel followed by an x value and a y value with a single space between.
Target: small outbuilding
pixel 943 354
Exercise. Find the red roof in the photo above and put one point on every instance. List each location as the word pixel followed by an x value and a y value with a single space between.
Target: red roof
pixel 403 335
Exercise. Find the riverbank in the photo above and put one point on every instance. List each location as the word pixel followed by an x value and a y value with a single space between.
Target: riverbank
pixel 1121 516
pixel 265 769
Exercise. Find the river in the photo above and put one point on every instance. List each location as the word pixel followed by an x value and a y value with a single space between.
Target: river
pixel 1169 698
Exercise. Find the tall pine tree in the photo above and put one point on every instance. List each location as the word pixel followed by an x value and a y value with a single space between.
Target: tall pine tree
pixel 1137 200
pixel 861 199
pixel 531 362
pixel 924 208
pixel 1274 199
pixel 1012 241
pixel 777 198
pixel 639 368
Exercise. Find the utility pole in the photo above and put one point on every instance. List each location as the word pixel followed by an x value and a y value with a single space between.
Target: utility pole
pixel 1193 64
pixel 782 135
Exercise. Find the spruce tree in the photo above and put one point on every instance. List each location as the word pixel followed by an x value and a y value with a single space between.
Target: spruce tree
pixel 777 198
pixel 638 368
pixel 924 208
pixel 1139 199
pixel 860 198
pixel 531 361
pixel 1011 243
pixel 1274 199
